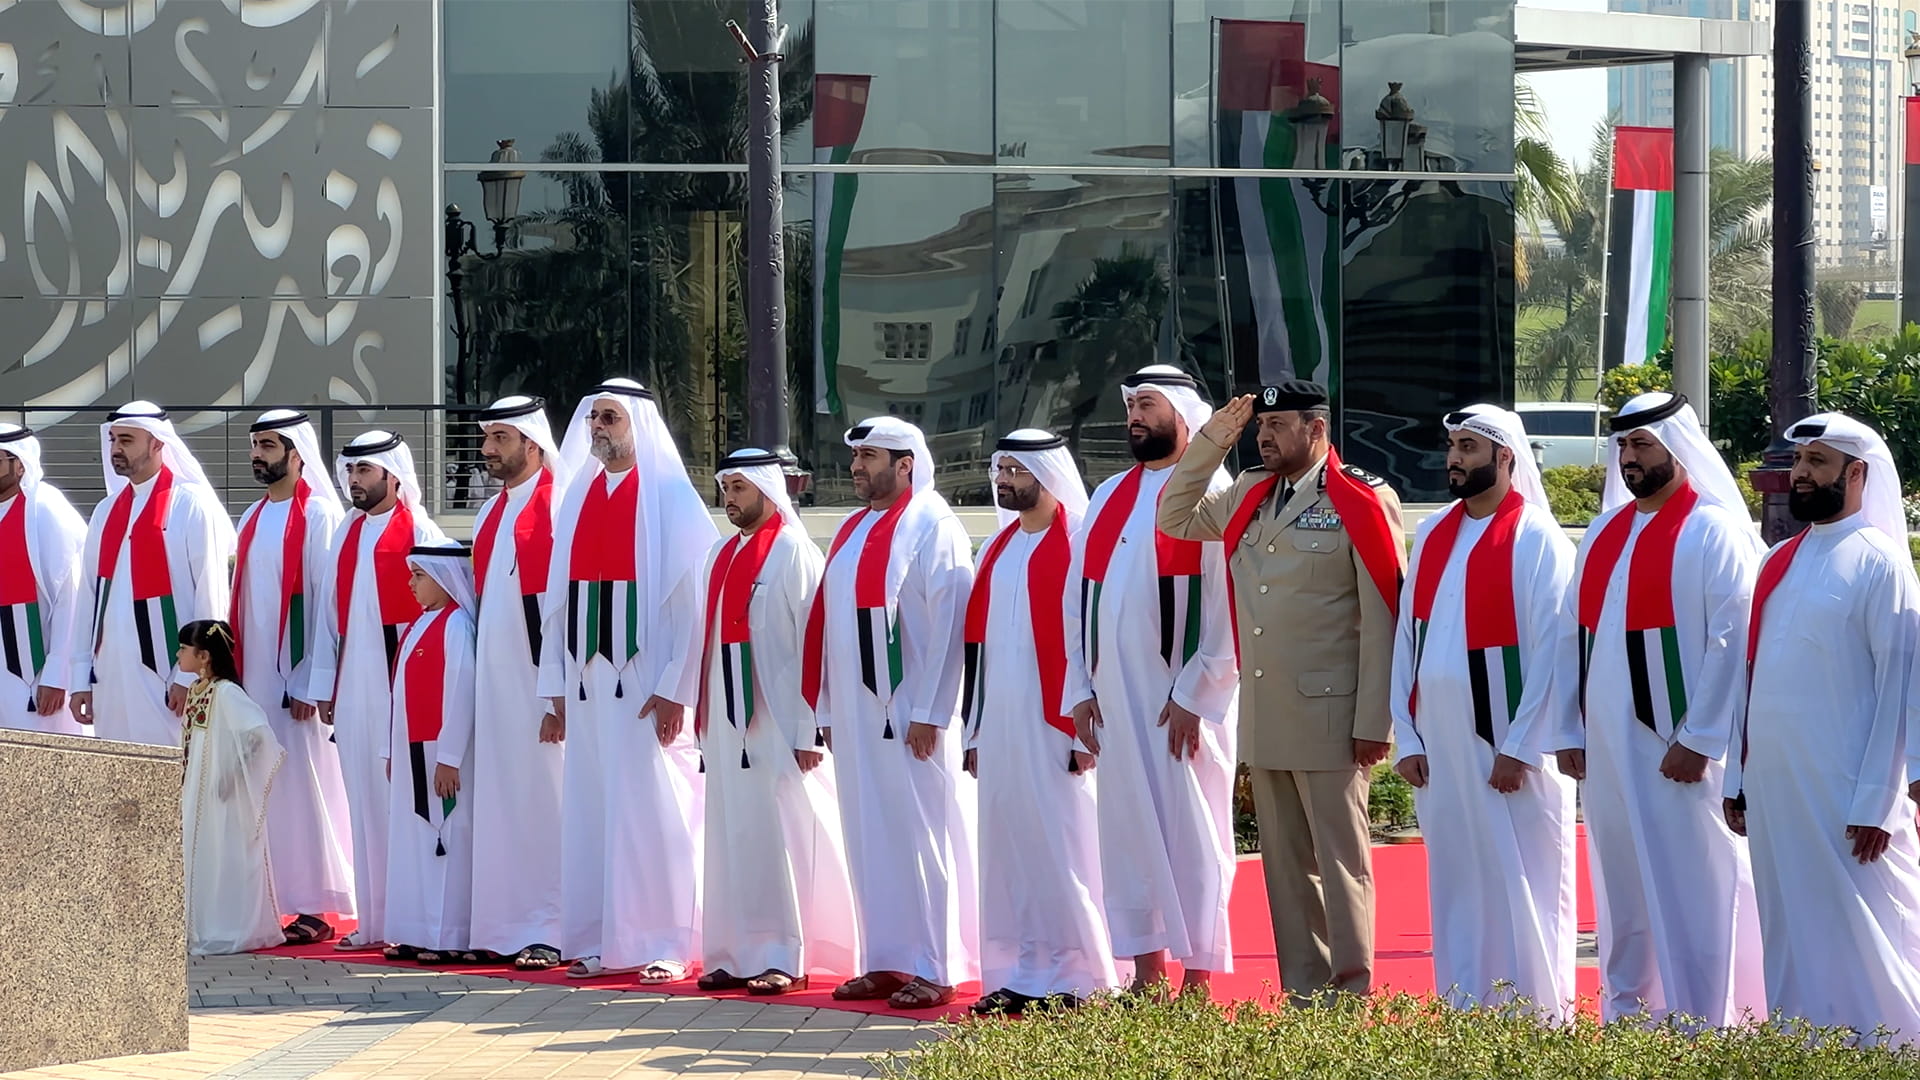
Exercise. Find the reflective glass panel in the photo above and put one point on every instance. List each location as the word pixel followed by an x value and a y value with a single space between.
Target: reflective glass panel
pixel 546 73
pixel 1082 82
pixel 1241 69
pixel 926 71
pixel 1452 64
pixel 1427 314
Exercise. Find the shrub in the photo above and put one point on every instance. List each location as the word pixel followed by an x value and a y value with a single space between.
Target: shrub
pixel 1629 381
pixel 1389 799
pixel 1364 1039
pixel 1574 492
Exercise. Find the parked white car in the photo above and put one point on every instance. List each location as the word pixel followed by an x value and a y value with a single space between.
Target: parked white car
pixel 1564 432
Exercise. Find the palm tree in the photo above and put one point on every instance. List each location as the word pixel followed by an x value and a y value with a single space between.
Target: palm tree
pixel 1545 187
pixel 1112 323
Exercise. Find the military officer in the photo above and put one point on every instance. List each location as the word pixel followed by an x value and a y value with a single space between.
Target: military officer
pixel 1310 542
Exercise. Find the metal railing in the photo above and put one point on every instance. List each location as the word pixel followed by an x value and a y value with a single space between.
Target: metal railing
pixel 444 440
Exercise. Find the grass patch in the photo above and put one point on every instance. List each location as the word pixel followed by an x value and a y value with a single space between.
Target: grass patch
pixel 1402 1037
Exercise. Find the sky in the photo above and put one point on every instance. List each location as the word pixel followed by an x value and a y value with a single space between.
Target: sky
pixel 1574 101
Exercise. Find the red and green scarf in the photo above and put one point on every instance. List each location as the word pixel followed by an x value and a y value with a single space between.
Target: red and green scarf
pixel 1178 563
pixel 1653 642
pixel 876 613
pixel 20 632
pixel 1363 516
pixel 293 592
pixel 532 551
pixel 155 620
pixel 603 594
pixel 1046 588
pixel 1493 621
pixel 426 674
pixel 390 579
pixel 730 584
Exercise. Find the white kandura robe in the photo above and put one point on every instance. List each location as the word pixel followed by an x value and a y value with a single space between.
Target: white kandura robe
pixel 1042 930
pixel 56 536
pixel 129 698
pixel 516 778
pixel 1827 748
pixel 909 823
pixel 777 895
pixel 1500 868
pixel 307 820
pixel 353 673
pixel 223 807
pixel 1167 859
pixel 1672 887
pixel 632 810
pixel 429 894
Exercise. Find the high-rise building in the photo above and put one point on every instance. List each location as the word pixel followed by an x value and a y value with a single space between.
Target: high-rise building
pixel 1643 94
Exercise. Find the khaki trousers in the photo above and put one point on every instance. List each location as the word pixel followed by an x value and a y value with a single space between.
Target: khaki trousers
pixel 1316 850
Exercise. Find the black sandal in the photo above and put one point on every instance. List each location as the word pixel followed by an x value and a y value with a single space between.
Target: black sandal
pixel 1001 1002
pixel 538 958
pixel 308 930
pixel 400 952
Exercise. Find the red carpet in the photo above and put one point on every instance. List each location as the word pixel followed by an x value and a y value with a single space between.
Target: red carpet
pixel 1403 944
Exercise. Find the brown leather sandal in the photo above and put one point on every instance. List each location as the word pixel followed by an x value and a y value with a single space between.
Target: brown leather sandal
pixel 773 982
pixel 873 986
pixel 921 994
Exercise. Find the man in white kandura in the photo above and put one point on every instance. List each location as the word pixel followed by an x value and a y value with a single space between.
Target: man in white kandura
pixel 158 549
pixel 882 670
pixel 41 539
pixel 1660 594
pixel 1476 702
pixel 622 607
pixel 518 751
pixel 1042 933
pixel 285 553
pixel 1819 779
pixel 365 607
pixel 1152 683
pixel 777 903
pixel 428 753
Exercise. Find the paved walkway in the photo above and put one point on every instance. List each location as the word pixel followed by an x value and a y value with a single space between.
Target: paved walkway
pixel 275 1018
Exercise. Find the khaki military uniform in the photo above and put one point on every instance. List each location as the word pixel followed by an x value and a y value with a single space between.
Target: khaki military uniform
pixel 1316 664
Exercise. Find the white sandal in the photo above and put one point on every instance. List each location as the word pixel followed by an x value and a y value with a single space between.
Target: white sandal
pixel 590 967
pixel 674 969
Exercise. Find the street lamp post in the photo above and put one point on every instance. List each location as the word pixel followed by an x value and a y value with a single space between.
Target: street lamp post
pixel 768 425
pixel 1312 118
pixel 1395 114
pixel 1790 392
pixel 500 201
pixel 1910 182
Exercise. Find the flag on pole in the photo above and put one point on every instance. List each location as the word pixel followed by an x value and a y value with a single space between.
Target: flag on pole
pixel 1639 245
pixel 839 108
pixel 1290 269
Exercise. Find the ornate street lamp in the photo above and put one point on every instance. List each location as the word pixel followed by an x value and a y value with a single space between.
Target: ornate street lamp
pixel 1912 55
pixel 1395 115
pixel 1311 118
pixel 500 201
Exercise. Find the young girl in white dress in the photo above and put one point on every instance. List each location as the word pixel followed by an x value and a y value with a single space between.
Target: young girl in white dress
pixel 232 756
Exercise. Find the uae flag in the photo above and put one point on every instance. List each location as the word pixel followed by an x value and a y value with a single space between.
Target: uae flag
pixel 1910 240
pixel 20 639
pixel 1288 267
pixel 839 107
pixel 1639 245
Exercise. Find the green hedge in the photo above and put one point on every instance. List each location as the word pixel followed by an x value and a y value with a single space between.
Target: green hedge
pixel 1400 1037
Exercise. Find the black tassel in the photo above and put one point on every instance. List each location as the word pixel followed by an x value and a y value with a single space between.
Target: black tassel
pixel 439 848
pixel 583 691
pixel 703 763
pixel 1073 763
pixel 286 701
pixel 819 737
pixel 888 733
pixel 743 759
pixel 619 689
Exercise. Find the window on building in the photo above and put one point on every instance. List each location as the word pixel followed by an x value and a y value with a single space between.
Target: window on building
pixel 962 333
pixel 903 341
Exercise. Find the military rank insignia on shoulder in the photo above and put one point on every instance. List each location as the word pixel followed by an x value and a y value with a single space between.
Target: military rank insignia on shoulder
pixel 1320 518
pixel 1363 476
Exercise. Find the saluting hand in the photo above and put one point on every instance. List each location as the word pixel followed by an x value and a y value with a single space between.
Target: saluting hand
pixel 1224 427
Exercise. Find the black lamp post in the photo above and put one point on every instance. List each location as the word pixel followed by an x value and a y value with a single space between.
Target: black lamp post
pixel 500 200
pixel 1910 182
pixel 1395 114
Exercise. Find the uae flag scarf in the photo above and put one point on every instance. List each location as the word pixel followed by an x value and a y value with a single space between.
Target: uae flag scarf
pixel 1493 622
pixel 293 589
pixel 390 576
pixel 603 591
pixel 730 586
pixel 426 677
pixel 20 632
pixel 1653 644
pixel 532 552
pixel 1362 515
pixel 1178 568
pixel 155 620
pixel 876 612
pixel 1046 588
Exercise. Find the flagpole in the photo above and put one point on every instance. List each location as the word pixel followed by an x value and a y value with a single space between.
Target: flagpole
pixel 1606 264
pixel 1220 276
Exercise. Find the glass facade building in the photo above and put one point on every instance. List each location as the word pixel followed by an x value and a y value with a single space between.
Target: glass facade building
pixel 994 209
